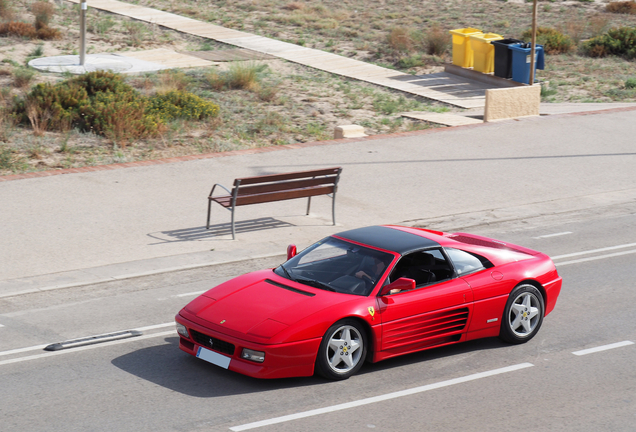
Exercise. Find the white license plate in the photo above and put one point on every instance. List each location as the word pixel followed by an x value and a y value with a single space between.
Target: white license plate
pixel 214 358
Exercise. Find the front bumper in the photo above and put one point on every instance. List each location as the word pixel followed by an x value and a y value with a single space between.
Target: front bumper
pixel 281 360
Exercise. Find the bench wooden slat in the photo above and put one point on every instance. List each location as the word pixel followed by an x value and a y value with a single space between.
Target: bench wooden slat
pixel 225 200
pixel 284 195
pixel 285 185
pixel 286 176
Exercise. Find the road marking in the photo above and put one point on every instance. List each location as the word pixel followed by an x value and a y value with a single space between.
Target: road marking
pixel 594 258
pixel 553 235
pixel 40 347
pixel 380 398
pixel 605 249
pixel 603 348
pixel 84 348
pixel 1 325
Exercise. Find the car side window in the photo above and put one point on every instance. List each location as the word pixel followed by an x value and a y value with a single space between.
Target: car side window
pixel 424 267
pixel 465 262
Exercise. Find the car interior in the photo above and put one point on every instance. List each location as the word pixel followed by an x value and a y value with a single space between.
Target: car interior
pixel 424 267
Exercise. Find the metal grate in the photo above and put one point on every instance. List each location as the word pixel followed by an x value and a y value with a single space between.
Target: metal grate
pixel 212 343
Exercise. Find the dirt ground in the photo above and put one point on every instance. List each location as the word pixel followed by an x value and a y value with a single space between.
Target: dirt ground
pixel 302 104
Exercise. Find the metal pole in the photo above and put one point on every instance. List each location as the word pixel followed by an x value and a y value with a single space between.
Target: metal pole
pixel 534 40
pixel 83 8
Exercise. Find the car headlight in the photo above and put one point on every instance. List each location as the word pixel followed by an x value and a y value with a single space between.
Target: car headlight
pixel 255 356
pixel 182 330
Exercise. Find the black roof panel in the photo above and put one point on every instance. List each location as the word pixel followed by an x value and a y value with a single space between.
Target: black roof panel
pixel 386 238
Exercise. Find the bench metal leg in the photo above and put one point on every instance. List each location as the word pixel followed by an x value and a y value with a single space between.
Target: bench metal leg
pixel 333 208
pixel 233 233
pixel 308 205
pixel 207 225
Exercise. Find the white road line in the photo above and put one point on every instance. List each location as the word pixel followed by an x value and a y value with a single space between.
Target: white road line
pixel 84 348
pixel 603 348
pixel 380 398
pixel 1 325
pixel 21 350
pixel 605 249
pixel 559 264
pixel 40 347
pixel 553 235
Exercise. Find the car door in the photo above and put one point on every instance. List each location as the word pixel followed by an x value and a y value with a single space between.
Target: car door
pixel 432 314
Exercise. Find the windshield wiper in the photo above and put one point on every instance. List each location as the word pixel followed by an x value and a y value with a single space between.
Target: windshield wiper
pixel 315 283
pixel 289 276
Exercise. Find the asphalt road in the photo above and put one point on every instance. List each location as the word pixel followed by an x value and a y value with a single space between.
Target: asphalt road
pixel 147 383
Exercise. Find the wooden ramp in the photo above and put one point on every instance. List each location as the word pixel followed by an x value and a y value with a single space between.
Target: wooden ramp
pixel 444 87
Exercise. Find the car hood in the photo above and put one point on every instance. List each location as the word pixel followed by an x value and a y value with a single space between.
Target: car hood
pixel 260 304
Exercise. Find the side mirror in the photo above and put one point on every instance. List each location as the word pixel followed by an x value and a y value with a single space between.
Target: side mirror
pixel 291 251
pixel 402 284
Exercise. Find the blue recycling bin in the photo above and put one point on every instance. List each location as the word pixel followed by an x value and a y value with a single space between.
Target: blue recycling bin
pixel 521 61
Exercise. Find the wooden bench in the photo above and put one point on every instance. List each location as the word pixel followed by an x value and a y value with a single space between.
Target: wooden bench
pixel 278 187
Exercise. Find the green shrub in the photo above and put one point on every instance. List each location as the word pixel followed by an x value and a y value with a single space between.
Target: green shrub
pixel 618 42
pixel 102 103
pixel 553 41
pixel 59 105
pixel 121 117
pixel 102 81
pixel 630 83
pixel 179 104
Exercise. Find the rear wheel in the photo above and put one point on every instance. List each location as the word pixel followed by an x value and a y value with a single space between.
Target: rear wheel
pixel 523 314
pixel 342 350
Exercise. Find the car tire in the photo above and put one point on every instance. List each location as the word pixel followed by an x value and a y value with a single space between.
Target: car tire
pixel 523 315
pixel 342 351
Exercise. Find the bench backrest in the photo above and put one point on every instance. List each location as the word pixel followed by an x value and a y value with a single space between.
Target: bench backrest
pixel 278 187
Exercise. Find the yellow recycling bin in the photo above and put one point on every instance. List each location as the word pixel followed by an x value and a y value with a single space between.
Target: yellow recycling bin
pixel 484 51
pixel 462 52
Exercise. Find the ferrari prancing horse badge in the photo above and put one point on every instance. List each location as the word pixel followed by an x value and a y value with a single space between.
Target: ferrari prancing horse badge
pixel 372 312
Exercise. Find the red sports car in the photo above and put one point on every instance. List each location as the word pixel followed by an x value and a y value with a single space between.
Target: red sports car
pixel 369 294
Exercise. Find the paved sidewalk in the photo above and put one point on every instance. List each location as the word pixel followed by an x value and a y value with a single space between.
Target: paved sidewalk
pixel 105 223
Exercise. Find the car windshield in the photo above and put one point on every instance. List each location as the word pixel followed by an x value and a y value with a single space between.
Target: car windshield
pixel 336 265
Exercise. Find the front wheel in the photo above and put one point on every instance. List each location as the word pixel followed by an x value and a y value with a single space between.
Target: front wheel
pixel 342 350
pixel 523 315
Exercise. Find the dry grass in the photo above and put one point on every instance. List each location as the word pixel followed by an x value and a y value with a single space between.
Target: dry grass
pixel 43 12
pixel 39 118
pixel 171 79
pixel 622 7
pixel 6 10
pixel 400 39
pixel 437 41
